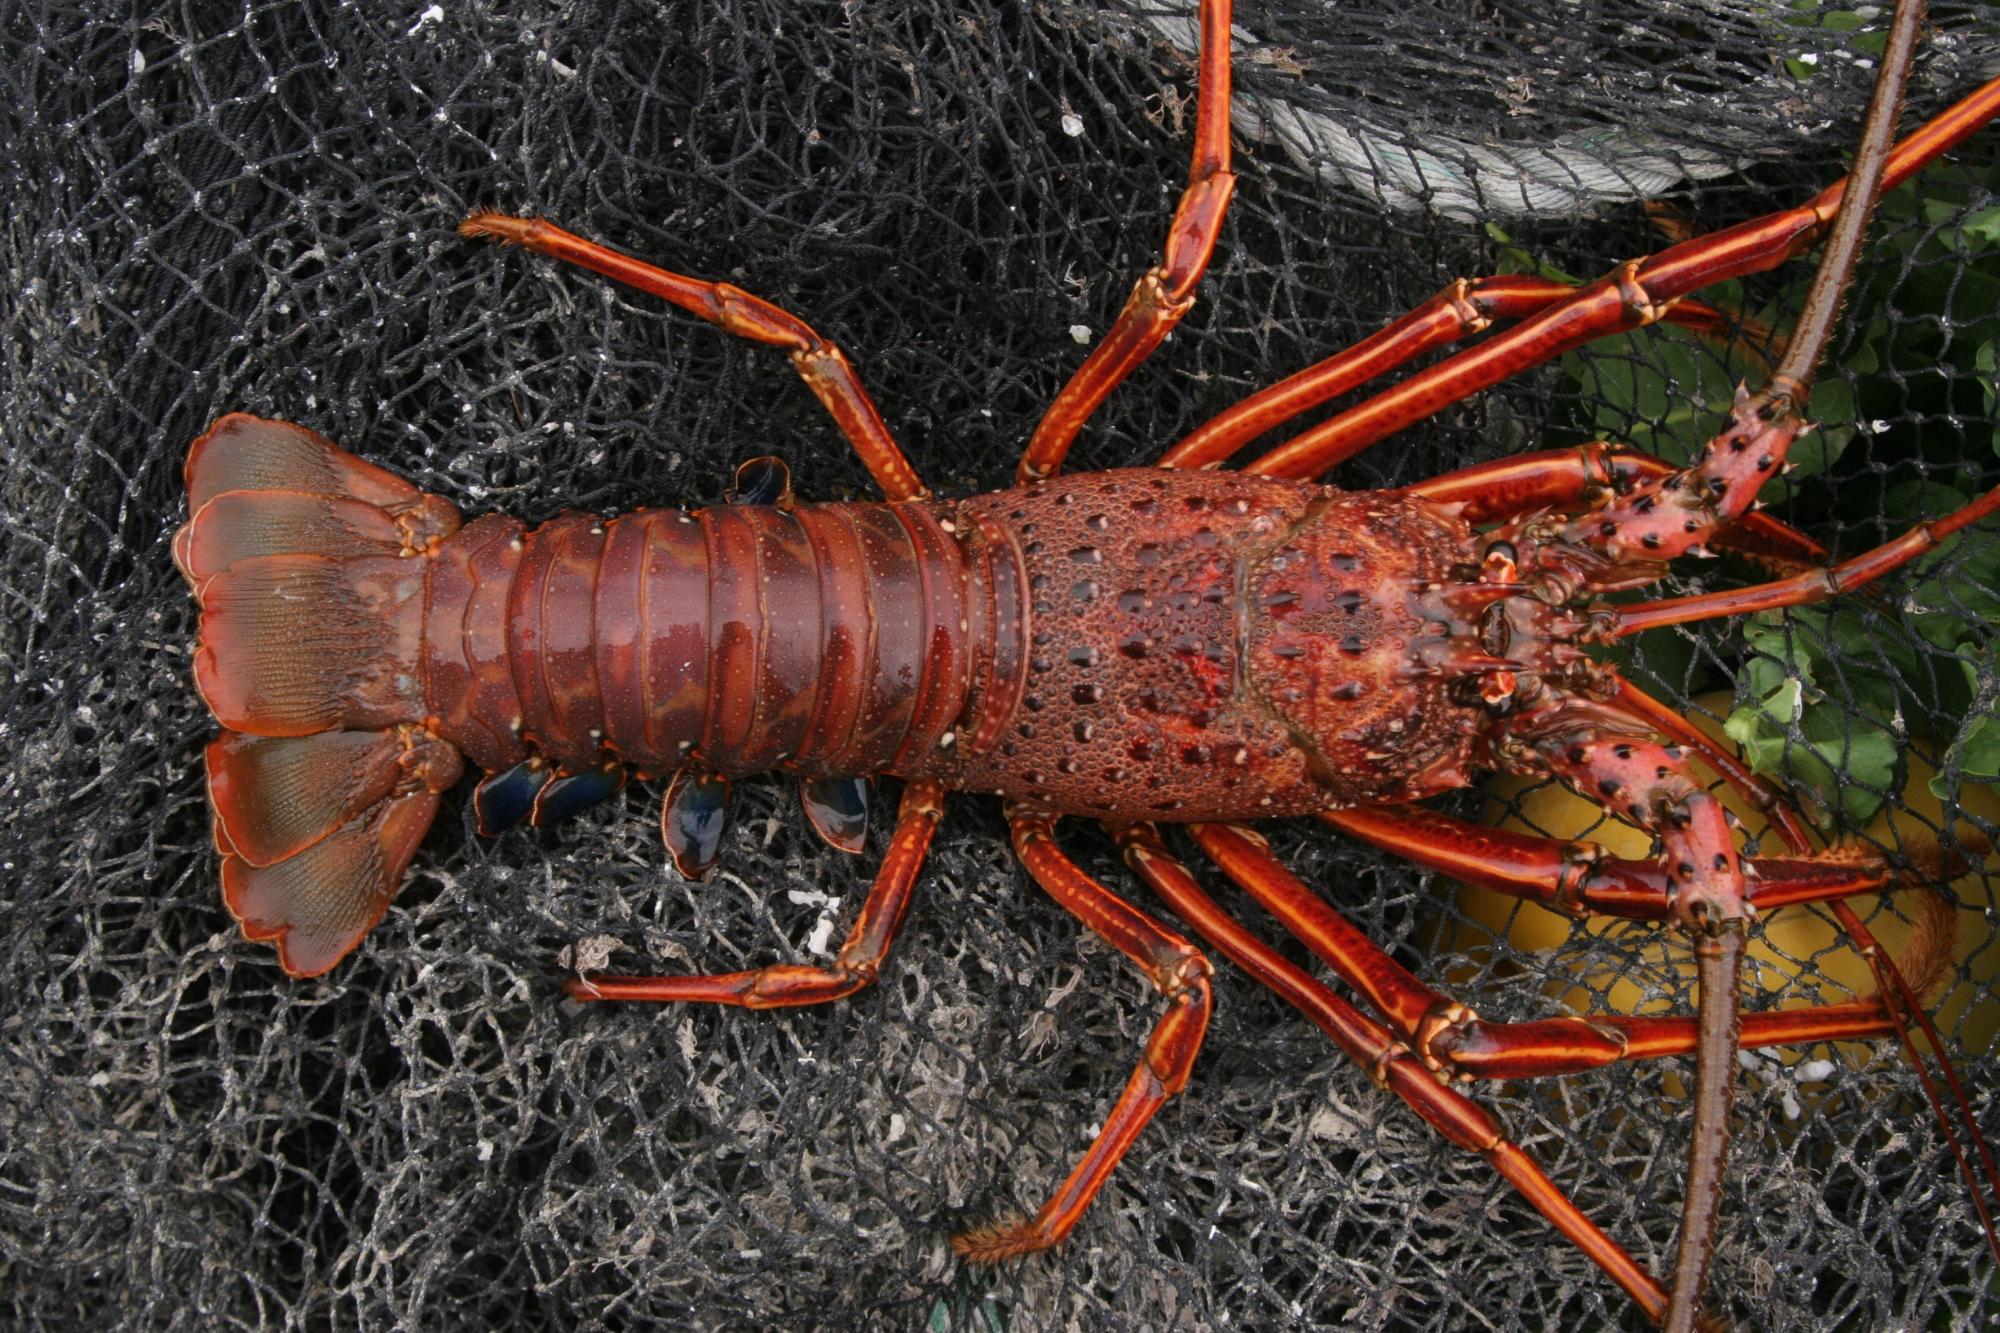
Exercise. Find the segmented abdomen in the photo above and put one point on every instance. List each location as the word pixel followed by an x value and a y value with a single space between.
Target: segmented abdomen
pixel 833 639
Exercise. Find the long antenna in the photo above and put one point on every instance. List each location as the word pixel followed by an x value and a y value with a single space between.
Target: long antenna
pixel 1817 319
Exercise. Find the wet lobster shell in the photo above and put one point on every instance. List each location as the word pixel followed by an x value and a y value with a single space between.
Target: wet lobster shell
pixel 1077 646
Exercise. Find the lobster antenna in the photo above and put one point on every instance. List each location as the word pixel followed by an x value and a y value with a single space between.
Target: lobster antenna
pixel 1821 312
pixel 1721 963
pixel 1793 377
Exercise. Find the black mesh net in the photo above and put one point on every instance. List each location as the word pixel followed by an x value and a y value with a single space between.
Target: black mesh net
pixel 219 207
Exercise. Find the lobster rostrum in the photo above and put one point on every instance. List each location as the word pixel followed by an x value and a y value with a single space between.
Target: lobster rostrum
pixel 1174 644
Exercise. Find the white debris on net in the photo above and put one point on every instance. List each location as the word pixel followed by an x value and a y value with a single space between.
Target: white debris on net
pixel 1785 1079
pixel 563 71
pixel 1335 1123
pixel 1041 1026
pixel 1080 332
pixel 820 943
pixel 590 954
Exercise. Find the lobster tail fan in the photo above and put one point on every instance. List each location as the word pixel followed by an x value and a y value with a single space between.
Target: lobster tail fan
pixel 258 487
pixel 292 645
pixel 301 556
pixel 317 831
pixel 308 566
pixel 245 453
pixel 275 797
pixel 242 525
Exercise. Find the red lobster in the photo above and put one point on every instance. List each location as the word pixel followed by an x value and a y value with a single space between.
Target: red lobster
pixel 1174 644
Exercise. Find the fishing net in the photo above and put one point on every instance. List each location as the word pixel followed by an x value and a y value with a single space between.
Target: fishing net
pixel 250 206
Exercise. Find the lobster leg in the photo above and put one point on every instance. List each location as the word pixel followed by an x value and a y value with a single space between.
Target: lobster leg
pixel 1462 309
pixel 1391 990
pixel 1580 879
pixel 1176 968
pixel 1462 1122
pixel 1163 295
pixel 1635 294
pixel 1816 585
pixel 1450 1038
pixel 1478 1049
pixel 1564 479
pixel 859 960
pixel 822 365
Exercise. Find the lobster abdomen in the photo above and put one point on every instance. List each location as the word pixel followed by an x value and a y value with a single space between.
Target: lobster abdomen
pixel 829 639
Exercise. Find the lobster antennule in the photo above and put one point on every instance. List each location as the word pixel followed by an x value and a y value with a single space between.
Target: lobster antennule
pixel 309 566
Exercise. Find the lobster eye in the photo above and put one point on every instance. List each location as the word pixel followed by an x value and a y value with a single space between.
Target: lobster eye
pixel 1500 565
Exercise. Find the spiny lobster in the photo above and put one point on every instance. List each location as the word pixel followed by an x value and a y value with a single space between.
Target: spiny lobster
pixel 1170 644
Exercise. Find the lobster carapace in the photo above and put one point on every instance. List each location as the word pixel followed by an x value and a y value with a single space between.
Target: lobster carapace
pixel 1136 646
